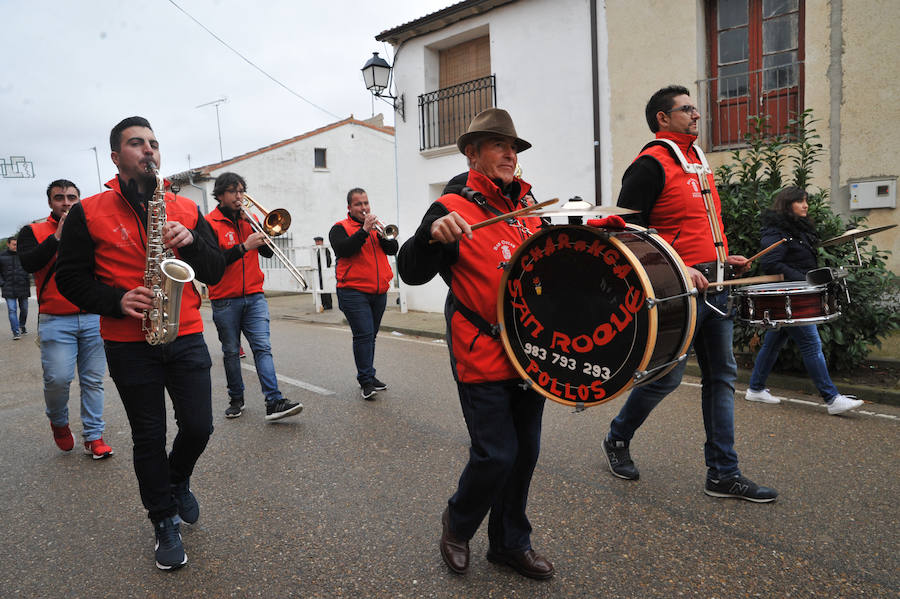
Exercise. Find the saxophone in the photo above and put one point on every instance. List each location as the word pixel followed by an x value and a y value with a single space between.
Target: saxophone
pixel 164 274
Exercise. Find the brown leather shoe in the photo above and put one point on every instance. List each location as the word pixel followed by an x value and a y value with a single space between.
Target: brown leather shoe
pixel 454 551
pixel 527 563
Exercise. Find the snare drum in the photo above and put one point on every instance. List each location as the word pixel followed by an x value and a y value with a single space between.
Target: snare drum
pixel 787 304
pixel 586 313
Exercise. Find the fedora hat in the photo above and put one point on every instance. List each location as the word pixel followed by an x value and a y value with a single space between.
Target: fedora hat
pixel 489 122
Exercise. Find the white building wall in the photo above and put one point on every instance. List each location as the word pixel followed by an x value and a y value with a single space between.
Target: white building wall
pixel 541 56
pixel 285 177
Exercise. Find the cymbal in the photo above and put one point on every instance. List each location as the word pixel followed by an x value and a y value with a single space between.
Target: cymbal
pixel 853 234
pixel 581 208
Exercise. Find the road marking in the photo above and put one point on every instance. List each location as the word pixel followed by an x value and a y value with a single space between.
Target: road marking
pixel 294 382
pixel 398 336
pixel 815 404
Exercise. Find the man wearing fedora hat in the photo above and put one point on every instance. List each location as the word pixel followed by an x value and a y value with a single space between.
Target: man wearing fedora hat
pixel 502 417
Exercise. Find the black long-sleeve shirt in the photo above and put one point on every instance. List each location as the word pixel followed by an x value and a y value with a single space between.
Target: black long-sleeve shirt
pixel 75 265
pixel 34 255
pixel 642 183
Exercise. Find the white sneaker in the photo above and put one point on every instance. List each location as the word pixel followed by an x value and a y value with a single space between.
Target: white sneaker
pixel 762 396
pixel 843 403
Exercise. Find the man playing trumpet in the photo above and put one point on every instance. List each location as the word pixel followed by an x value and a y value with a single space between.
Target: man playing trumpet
pixel 238 303
pixel 68 335
pixel 363 279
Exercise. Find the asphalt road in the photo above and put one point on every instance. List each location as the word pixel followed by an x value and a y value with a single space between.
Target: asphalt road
pixel 345 500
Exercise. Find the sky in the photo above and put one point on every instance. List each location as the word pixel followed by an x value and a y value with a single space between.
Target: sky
pixel 72 69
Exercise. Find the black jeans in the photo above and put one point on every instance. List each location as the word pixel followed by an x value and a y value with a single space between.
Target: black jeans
pixel 142 373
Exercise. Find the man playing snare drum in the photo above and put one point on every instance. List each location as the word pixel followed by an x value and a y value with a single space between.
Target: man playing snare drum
pixel 503 419
pixel 662 186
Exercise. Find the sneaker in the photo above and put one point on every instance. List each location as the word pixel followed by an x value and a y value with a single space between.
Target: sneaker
pixel 843 403
pixel 170 553
pixel 741 488
pixel 23 331
pixel 282 408
pixel 235 408
pixel 97 449
pixel 63 437
pixel 378 385
pixel 242 353
pixel 761 396
pixel 368 392
pixel 17 335
pixel 188 508
pixel 619 459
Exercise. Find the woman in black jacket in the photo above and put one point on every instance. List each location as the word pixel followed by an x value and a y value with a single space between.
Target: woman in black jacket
pixel 788 220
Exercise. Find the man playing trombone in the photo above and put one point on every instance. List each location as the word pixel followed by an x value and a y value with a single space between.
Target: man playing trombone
pixel 362 244
pixel 238 303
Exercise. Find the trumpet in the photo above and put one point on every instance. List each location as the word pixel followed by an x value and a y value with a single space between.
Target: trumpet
pixel 388 232
pixel 274 224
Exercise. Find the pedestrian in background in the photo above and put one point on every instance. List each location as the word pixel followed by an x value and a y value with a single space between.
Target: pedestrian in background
pixel 321 249
pixel 16 285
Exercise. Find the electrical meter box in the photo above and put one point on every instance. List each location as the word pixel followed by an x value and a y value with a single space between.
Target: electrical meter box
pixel 873 193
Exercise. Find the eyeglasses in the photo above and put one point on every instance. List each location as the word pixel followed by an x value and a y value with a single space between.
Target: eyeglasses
pixel 686 109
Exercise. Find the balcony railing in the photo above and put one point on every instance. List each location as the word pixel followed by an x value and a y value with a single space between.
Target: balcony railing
pixel 730 101
pixel 445 114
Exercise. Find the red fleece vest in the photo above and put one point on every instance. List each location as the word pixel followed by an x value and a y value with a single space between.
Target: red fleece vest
pixel 679 214
pixel 244 276
pixel 120 256
pixel 50 300
pixel 368 270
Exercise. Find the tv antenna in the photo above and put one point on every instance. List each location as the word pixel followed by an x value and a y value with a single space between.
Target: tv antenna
pixel 216 103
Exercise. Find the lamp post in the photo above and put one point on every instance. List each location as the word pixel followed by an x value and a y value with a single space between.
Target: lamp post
pixel 377 76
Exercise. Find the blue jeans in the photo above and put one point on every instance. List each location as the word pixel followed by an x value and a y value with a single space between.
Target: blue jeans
pixel 807 339
pixel 67 340
pixel 16 323
pixel 249 315
pixel 142 374
pixel 715 355
pixel 363 312
pixel 504 423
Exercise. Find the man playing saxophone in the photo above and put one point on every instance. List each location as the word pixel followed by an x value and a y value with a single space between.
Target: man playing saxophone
pixel 101 268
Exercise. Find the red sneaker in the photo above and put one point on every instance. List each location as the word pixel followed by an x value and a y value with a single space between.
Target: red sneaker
pixel 63 437
pixel 97 449
pixel 241 353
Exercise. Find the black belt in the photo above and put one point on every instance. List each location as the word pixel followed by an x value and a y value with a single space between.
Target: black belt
pixel 708 270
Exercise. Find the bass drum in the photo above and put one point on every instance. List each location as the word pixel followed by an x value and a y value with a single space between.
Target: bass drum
pixel 586 313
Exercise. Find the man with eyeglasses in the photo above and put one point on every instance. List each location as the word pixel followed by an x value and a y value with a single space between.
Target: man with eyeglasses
pixel 663 185
pixel 238 303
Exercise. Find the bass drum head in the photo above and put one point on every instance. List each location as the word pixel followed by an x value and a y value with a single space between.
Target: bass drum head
pixel 573 314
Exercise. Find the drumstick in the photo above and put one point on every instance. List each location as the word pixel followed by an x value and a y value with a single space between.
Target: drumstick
pixel 765 251
pixel 508 215
pixel 750 280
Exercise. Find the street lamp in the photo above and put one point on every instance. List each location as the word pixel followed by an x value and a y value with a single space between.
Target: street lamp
pixel 377 76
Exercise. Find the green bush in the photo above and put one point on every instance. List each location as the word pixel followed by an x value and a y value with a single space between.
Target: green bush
pixel 747 186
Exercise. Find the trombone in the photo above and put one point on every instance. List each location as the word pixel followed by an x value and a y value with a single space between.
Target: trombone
pixel 274 224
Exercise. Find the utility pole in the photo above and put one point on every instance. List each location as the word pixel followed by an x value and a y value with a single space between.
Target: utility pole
pixel 216 103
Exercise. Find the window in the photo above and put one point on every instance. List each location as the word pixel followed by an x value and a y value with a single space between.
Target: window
pixel 320 158
pixel 756 66
pixel 466 88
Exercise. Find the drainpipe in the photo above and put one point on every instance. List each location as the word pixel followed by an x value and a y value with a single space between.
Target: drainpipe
pixel 595 88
